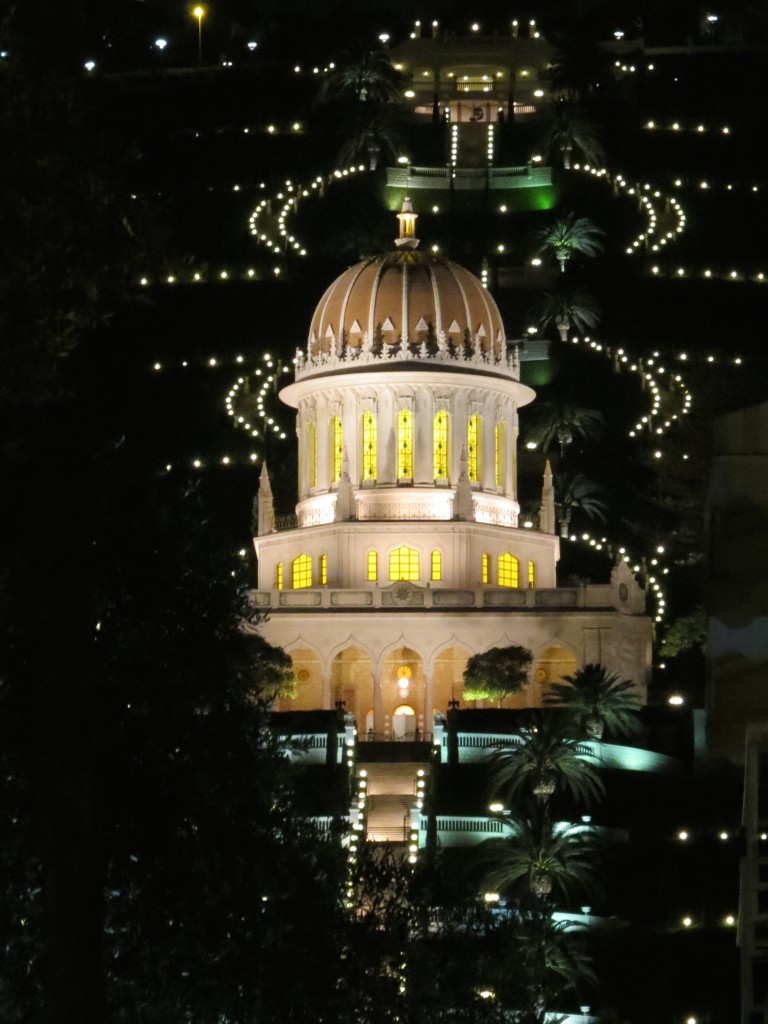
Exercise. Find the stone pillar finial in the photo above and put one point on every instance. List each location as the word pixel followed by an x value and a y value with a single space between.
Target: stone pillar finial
pixel 266 515
pixel 547 522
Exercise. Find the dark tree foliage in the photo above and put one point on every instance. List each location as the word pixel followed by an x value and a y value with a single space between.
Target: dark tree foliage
pixel 496 673
pixel 212 880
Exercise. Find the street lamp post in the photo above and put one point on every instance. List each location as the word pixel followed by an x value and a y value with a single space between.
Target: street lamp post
pixel 198 12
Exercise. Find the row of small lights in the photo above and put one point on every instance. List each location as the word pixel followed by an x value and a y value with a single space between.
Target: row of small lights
pixel 266 386
pixel 648 373
pixel 645 194
pixel 270 424
pixel 741 276
pixel 290 197
pixel 475 27
pixel 705 185
pixel 676 126
pixel 271 129
pixel 198 277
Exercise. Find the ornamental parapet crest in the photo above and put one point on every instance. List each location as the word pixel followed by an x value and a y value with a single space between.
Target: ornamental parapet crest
pixel 440 353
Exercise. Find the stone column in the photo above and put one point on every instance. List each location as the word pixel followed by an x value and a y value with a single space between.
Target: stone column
pixel 378 714
pixel 387 429
pixel 423 460
pixel 301 424
pixel 324 447
pixel 327 694
pixel 488 451
pixel 428 702
pixel 511 482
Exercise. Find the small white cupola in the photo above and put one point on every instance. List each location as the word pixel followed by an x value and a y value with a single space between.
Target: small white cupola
pixel 407 218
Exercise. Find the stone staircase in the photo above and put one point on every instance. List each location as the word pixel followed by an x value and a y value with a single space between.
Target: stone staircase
pixel 392 790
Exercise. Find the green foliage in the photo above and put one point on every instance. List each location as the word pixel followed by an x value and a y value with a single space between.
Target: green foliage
pixel 569 133
pixel 370 135
pixel 561 421
pixel 494 674
pixel 565 309
pixel 547 759
pixel 71 241
pixel 574 492
pixel 570 234
pixel 597 698
pixel 366 76
pixel 688 633
pixel 541 861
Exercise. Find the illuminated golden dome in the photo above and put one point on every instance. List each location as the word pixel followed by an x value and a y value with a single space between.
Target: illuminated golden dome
pixel 407 298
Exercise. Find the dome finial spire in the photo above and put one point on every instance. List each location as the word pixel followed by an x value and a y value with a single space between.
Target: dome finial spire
pixel 407 219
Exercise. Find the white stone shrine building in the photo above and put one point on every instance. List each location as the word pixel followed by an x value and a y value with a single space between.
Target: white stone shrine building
pixel 408 555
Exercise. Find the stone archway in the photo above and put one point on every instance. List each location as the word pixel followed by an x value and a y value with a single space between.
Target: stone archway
pixel 551 665
pixel 448 676
pixel 403 683
pixel 352 682
pixel 308 672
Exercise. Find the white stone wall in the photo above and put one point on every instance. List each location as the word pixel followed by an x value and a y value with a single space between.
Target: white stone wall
pixel 462 545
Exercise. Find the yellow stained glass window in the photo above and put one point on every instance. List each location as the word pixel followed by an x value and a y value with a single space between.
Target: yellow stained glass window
pixel 531 574
pixel 473 448
pixel 301 572
pixel 509 571
pixel 501 454
pixel 337 448
pixel 312 454
pixel 323 567
pixel 369 446
pixel 405 445
pixel 486 568
pixel 279 575
pixel 404 563
pixel 437 565
pixel 373 566
pixel 440 445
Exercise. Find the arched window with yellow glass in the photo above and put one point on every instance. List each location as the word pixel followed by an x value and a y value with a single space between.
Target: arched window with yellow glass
pixel 373 567
pixel 474 431
pixel 337 441
pixel 500 454
pixel 405 445
pixel 531 574
pixel 301 572
pixel 312 454
pixel 322 570
pixel 369 446
pixel 436 566
pixel 440 445
pixel 403 564
pixel 486 569
pixel 508 571
pixel 279 575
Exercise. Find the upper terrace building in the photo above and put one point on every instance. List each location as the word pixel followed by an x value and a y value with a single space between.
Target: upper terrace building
pixel 408 555
pixel 475 78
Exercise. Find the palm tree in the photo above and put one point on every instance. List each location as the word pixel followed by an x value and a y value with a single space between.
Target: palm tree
pixel 552 960
pixel 366 77
pixel 575 492
pixel 546 759
pixel 579 66
pixel 370 132
pixel 598 700
pixel 568 131
pixel 562 421
pixel 571 234
pixel 542 858
pixel 566 309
